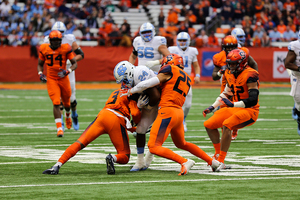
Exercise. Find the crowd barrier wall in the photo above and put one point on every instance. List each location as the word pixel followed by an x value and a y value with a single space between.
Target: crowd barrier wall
pixel 16 65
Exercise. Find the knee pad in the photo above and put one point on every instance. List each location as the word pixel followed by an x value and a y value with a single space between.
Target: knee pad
pixel 74 104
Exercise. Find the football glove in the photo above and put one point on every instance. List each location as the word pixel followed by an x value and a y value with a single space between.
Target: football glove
pixel 207 110
pixel 43 78
pixel 151 64
pixel 227 102
pixel 142 101
pixel 63 73
pixel 125 92
pixel 221 71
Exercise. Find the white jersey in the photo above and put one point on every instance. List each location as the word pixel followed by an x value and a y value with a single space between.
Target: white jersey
pixel 189 56
pixel 67 38
pixel 148 51
pixel 295 47
pixel 142 73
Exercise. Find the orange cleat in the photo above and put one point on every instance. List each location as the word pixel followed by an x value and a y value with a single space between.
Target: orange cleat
pixel 234 134
pixel 60 133
pixel 68 122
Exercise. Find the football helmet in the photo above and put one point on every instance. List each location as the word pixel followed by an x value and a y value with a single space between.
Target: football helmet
pixel 147 31
pixel 55 38
pixel 59 26
pixel 123 73
pixel 173 59
pixel 236 61
pixel 240 35
pixel 229 43
pixel 183 40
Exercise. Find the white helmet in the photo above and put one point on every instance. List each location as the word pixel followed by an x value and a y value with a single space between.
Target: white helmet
pixel 240 35
pixel 147 27
pixel 183 36
pixel 123 73
pixel 59 26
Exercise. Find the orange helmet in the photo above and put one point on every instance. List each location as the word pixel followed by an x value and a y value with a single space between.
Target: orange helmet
pixel 236 61
pixel 55 38
pixel 173 59
pixel 229 43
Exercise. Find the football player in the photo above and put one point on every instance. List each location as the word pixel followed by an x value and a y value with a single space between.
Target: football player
pixel 55 56
pixel 241 99
pixel 174 84
pixel 71 40
pixel 189 55
pixel 113 119
pixel 292 63
pixel 129 75
pixel 148 48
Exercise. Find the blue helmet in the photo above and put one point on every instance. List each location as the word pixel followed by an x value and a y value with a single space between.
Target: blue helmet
pixel 147 31
pixel 240 35
pixel 183 36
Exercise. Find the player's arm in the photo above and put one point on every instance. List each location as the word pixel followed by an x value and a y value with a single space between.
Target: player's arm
pixel 40 69
pixel 78 51
pixel 133 56
pixel 289 61
pixel 163 50
pixel 252 63
pixel 74 64
pixel 216 74
pixel 197 71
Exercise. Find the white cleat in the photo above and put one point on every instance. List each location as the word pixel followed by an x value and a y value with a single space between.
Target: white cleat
pixel 185 167
pixel 148 159
pixel 139 165
pixel 222 167
pixel 214 165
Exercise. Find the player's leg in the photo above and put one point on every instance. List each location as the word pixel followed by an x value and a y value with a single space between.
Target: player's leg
pixel 186 107
pixel 65 87
pixel 73 101
pixel 147 118
pixel 54 94
pixel 61 107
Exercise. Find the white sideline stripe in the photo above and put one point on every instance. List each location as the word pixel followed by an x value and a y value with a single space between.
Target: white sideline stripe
pixel 138 182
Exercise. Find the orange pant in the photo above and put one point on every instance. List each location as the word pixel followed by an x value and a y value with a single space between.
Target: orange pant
pixel 59 89
pixel 232 118
pixel 108 122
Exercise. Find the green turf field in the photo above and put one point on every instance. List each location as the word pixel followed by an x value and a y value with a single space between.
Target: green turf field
pixel 265 157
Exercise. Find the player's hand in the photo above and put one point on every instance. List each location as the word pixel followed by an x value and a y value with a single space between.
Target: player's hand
pixel 151 64
pixel 142 101
pixel 125 92
pixel 227 102
pixel 221 71
pixel 207 110
pixel 63 73
pixel 43 78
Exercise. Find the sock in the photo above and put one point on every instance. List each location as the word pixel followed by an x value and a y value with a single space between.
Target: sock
pixel 74 113
pixel 140 150
pixel 70 152
pixel 58 123
pixel 222 156
pixel 217 147
pixel 58 164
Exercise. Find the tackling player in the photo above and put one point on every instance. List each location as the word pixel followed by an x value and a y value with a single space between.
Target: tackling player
pixel 148 48
pixel 55 56
pixel 174 84
pixel 241 99
pixel 71 40
pixel 189 55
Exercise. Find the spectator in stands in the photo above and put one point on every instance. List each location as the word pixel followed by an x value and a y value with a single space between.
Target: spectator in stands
pixel 292 26
pixel 126 39
pixel 25 39
pixel 183 27
pixel 103 35
pixel 202 39
pixel 258 33
pixel 216 3
pixel 5 9
pixel 38 22
pixel 258 8
pixel 115 36
pixel 77 33
pixel 100 18
pixel 268 5
pixel 183 11
pixel 192 18
pixel 135 3
pixel 277 5
pixel 213 41
pixel 123 6
pixel 87 36
pixel 3 39
pixel 296 19
pixel 34 42
pixel 201 17
pixel 227 13
pixel 270 24
pixel 70 27
pixel 172 16
pixel 249 10
pixel 63 8
pixel 91 20
pixel 274 35
pixel 289 35
pixel 171 31
pixel 12 38
pixel 281 27
pixel 110 7
pixel 238 14
pixel 288 5
pixel 161 19
pixel 265 40
pixel 127 28
pixel 256 42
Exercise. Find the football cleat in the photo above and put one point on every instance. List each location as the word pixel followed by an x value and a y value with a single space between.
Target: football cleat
pixel 214 165
pixel 68 122
pixel 110 164
pixel 148 159
pixel 234 134
pixel 222 167
pixel 294 113
pixel 60 133
pixel 53 170
pixel 139 165
pixel 75 122
pixel 185 167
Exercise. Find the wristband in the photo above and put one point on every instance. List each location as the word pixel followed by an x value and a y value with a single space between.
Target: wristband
pixel 198 75
pixel 40 72
pixel 70 70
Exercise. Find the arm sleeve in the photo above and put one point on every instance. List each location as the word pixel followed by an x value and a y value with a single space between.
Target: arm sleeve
pixel 141 86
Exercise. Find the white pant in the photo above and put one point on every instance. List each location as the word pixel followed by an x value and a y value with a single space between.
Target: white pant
pixel 295 90
pixel 188 102
pixel 72 82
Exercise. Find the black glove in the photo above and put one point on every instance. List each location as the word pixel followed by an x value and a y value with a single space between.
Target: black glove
pixel 43 78
pixel 63 73
pixel 207 110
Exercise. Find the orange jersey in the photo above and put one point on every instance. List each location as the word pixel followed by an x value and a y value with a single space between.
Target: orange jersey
pixel 238 85
pixel 55 59
pixel 124 105
pixel 174 91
